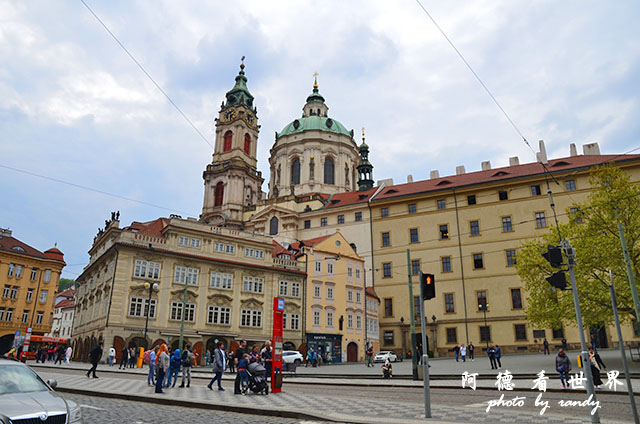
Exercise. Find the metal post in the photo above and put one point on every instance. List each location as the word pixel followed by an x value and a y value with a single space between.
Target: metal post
pixel 184 308
pixel 484 306
pixel 425 357
pixel 595 417
pixel 412 319
pixel 614 304
pixel 630 274
pixel 146 323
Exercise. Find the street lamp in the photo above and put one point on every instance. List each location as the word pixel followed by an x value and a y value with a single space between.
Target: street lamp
pixel 151 287
pixel 483 307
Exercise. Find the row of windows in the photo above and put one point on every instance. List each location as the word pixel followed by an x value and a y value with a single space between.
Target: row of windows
pixel 15 270
pixel 520 333
pixel 11 292
pixel 317 319
pixel 449 302
pixel 446 266
pixel 329 171
pixel 189 242
pixel 324 221
pixel 317 293
pixel 287 288
pixel 6 315
pixel 441 204
pixel 228 139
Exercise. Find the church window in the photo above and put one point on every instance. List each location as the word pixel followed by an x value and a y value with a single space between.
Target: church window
pixel 247 144
pixel 295 171
pixel 329 171
pixel 219 194
pixel 227 141
pixel 273 226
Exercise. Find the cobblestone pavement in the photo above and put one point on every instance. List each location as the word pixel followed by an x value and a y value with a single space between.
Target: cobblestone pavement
pixel 317 407
pixel 117 411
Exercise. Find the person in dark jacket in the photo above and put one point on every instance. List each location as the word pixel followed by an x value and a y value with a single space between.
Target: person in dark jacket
pixel 491 352
pixel 596 365
pixel 498 356
pixel 240 351
pixel 124 359
pixel 94 356
pixel 219 365
pixel 267 358
pixel 563 366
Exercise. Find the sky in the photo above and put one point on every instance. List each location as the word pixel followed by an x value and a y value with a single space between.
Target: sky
pixel 75 108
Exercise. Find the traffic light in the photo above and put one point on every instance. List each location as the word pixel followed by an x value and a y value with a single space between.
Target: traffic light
pixel 558 280
pixel 428 282
pixel 554 256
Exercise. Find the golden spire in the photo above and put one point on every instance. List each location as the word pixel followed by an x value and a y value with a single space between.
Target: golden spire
pixel 362 133
pixel 242 63
pixel 315 82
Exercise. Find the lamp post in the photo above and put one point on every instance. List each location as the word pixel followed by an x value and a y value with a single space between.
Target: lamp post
pixel 151 287
pixel 483 307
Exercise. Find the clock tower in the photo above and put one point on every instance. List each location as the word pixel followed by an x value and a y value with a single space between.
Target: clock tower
pixel 231 180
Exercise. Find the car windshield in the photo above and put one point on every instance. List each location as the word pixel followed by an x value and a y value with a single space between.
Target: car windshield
pixel 19 379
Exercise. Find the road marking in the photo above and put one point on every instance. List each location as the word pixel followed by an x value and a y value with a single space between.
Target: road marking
pixel 478 405
pixel 92 407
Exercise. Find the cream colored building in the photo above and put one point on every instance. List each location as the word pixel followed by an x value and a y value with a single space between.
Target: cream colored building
pixel 229 275
pixel 28 279
pixel 466 229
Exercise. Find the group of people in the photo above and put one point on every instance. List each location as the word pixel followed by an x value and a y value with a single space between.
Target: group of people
pixel 240 360
pixel 165 366
pixel 127 357
pixel 51 353
pixel 563 366
pixel 462 351
pixel 315 358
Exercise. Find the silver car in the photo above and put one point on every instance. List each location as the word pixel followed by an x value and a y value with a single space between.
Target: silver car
pixel 25 397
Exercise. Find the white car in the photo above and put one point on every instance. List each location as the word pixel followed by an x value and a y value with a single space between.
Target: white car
pixel 292 357
pixel 384 355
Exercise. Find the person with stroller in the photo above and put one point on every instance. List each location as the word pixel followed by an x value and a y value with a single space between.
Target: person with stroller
pixel 387 369
pixel 243 364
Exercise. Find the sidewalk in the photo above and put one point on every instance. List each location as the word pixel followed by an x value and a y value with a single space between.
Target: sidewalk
pixel 292 404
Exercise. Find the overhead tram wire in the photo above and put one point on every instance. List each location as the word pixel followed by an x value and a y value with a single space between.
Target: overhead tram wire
pixel 147 74
pixel 95 190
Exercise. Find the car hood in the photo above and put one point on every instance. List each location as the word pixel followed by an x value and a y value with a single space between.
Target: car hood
pixel 17 405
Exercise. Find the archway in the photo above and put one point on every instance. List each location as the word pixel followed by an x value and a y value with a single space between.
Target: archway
pixel 197 350
pixel 118 345
pixel 352 352
pixel 6 343
pixel 175 344
pixel 137 342
pixel 288 346
pixel 158 342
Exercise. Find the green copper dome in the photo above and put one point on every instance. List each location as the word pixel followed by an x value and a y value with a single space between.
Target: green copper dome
pixel 239 94
pixel 314 122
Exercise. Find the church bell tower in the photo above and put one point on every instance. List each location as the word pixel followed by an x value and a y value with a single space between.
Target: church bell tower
pixel 232 180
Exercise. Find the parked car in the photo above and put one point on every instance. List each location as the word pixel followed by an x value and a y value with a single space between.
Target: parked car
pixel 382 356
pixel 292 357
pixel 25 397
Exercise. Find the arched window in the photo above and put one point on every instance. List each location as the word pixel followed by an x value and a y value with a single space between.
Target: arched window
pixel 273 226
pixel 219 194
pixel 247 144
pixel 295 171
pixel 227 141
pixel 328 171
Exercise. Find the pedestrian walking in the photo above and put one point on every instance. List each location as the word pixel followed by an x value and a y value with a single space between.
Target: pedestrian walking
pixel 596 366
pixel 463 353
pixel 188 359
pixel 498 356
pixel 152 366
pixel 124 359
pixel 67 354
pixel 491 352
pixel 219 365
pixel 112 355
pixel 456 350
pixel 545 344
pixel 162 363
pixel 370 356
pixel 309 360
pixel 59 354
pixel 174 368
pixel 594 342
pixel 207 358
pixel 230 362
pixel 564 345
pixel 563 366
pixel 94 356
pixel 470 349
pixel 239 354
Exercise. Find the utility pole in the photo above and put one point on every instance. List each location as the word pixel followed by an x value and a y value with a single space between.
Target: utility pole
pixel 412 319
pixel 571 261
pixel 630 274
pixel 184 309
pixel 425 354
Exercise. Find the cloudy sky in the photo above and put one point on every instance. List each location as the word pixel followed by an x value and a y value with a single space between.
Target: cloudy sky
pixel 74 107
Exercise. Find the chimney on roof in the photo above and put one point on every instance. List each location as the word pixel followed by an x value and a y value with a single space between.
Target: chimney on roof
pixel 460 170
pixel 486 165
pixel 434 174
pixel 572 150
pixel 409 178
pixel 5 232
pixel 513 161
pixel 387 182
pixel 542 154
pixel 591 149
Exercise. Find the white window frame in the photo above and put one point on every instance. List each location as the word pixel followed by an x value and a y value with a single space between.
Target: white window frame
pixel 318 266
pixel 186 275
pixel 329 318
pixel 349 295
pixel 47 275
pixel 250 318
pixel 34 274
pixel 43 296
pixel 316 291
pixel 221 280
pixel 358 297
pixel 146 269
pixel 39 317
pixel 218 315
pixel 18 271
pixel 329 292
pixel 294 321
pixel 316 318
pixel 176 312
pixel 358 322
pixel 252 284
pixel 138 307
pixel 29 295
pixel 12 268
pixel 295 289
pixel 350 321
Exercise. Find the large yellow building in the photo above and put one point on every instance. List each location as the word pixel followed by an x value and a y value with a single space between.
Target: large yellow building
pixel 230 278
pixel 466 229
pixel 29 280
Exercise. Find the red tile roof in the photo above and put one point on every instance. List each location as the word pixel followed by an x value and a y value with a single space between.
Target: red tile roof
pixel 66 304
pixel 499 174
pixel 369 291
pixel 151 228
pixel 349 198
pixel 67 293
pixel 13 245
pixel 279 249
